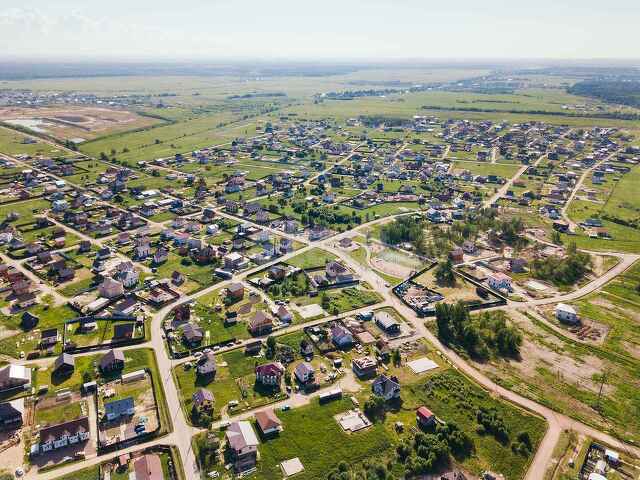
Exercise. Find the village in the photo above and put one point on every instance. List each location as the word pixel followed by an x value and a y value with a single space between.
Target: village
pixel 286 276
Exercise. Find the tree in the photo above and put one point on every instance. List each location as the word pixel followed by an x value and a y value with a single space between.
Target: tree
pixel 396 357
pixel 270 351
pixel 444 273
pixel 374 407
pixel 325 301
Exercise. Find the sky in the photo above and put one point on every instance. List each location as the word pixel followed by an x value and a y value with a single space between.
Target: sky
pixel 318 30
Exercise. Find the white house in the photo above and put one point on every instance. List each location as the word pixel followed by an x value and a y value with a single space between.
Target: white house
pixel 304 372
pixel 499 281
pixel 386 387
pixel 566 313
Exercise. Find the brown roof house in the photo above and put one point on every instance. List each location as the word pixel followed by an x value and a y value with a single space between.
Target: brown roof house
pixel 260 324
pixel 243 445
pixel 268 422
pixel 63 434
pixel 148 467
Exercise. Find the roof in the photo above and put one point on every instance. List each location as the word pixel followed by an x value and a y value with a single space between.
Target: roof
pixel 202 395
pixel 386 320
pixel 563 307
pixel 112 356
pixel 270 369
pixel 122 329
pixel 267 420
pixel 424 412
pixel 148 467
pixel 118 407
pixel 11 409
pixel 304 368
pixel 260 319
pixel 14 371
pixel 192 332
pixel 500 276
pixel 241 436
pixel 72 427
pixel 64 359
pixel 388 384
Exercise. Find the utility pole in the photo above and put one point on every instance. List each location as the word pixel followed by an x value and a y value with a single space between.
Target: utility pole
pixel 603 380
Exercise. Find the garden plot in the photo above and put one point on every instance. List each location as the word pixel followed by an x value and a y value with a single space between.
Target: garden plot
pixel 116 425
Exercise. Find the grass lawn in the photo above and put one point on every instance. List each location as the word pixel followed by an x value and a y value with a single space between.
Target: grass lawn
pixel 312 434
pixel 58 414
pixel 313 258
pixel 27 210
pixel 135 359
pixel 28 340
pixel 234 380
pixel 89 473
pixel 198 276
pixel 453 398
pixel 505 171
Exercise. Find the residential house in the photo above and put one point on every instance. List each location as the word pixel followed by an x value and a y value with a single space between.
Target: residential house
pixel 48 338
pixel 14 376
pixel 192 334
pixel 304 372
pixel 270 373
pixel 64 434
pixel 283 314
pixel 64 365
pixel 424 417
pixel 233 261
pixel 338 273
pixel 29 320
pixel 341 337
pixel 112 361
pixel 517 265
pixel 125 407
pixel 268 422
pixel 235 291
pixel 26 300
pixel 243 445
pixel 148 467
pixel 260 324
pixel 126 273
pixel 207 365
pixel 123 331
pixel 499 281
pixel 566 313
pixel 203 400
pixel 111 288
pixel 364 367
pixel 11 414
pixel 177 278
pixel 387 323
pixel 386 387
